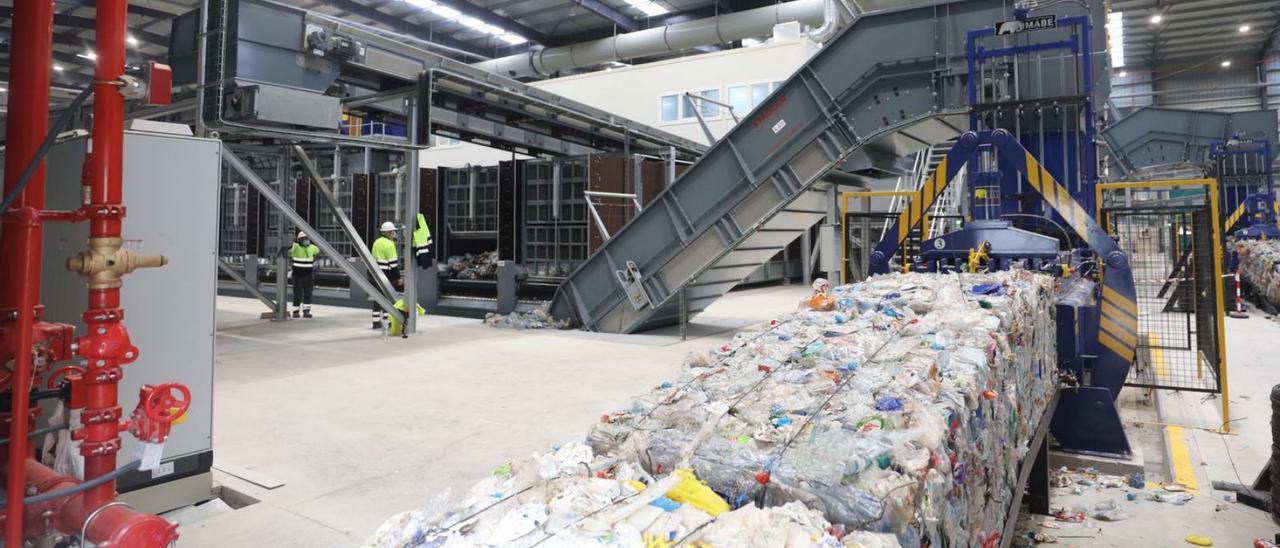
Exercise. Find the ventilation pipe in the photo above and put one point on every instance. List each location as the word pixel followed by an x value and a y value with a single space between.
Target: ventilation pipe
pixel 728 27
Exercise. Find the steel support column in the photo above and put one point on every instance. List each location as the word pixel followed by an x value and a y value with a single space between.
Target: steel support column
pixel 326 193
pixel 279 203
pixel 410 264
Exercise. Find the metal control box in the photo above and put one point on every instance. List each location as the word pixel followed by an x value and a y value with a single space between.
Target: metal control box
pixel 171 199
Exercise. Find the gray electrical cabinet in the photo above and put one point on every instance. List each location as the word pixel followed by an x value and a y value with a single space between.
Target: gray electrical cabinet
pixel 171 196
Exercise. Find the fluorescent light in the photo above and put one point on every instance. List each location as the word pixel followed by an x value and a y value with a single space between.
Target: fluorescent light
pixel 1115 38
pixel 1244 28
pixel 1226 63
pixel 648 8
pixel 132 41
pixel 1123 74
pixel 513 39
pixel 1157 18
pixel 493 30
pixel 88 55
pixel 57 67
pixel 3 89
pixel 445 11
pixel 473 23
pixel 424 4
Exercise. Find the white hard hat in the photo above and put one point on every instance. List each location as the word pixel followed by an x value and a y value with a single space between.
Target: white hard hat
pixel 388 227
pixel 302 235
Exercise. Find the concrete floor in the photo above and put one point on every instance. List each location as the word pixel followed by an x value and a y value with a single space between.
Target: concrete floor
pixel 359 428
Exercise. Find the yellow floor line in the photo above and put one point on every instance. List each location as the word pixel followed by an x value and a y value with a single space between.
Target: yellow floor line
pixel 1183 473
pixel 1157 354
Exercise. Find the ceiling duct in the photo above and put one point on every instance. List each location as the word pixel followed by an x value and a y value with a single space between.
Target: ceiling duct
pixel 720 29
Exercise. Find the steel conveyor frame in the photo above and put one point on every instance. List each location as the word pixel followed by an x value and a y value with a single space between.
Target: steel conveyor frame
pixel 889 82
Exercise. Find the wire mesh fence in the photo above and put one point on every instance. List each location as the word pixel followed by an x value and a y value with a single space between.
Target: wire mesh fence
pixel 1171 253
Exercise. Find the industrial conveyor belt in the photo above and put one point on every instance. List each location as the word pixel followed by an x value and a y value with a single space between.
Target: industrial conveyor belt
pixel 892 82
pixel 1153 137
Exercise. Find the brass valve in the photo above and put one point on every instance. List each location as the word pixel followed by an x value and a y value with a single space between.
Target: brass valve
pixel 106 262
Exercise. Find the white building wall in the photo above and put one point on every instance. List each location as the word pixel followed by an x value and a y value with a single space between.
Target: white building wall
pixel 636 92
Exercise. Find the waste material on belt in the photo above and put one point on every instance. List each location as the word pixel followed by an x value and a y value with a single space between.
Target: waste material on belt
pixel 1260 268
pixel 538 318
pixel 481 266
pixel 897 418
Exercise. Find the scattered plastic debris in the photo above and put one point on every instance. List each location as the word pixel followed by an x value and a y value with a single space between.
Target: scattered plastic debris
pixel 1108 511
pixel 481 266
pixel 1137 480
pixel 537 319
pixel 1199 540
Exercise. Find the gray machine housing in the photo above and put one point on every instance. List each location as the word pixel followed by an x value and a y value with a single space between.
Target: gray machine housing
pixel 171 196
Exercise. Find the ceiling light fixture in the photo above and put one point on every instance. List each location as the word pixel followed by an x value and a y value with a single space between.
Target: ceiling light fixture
pixel 649 8
pixel 57 67
pixel 131 40
pixel 1244 28
pixel 424 4
pixel 88 55
pixel 1122 74
pixel 1226 63
pixel 445 11
pixel 513 39
pixel 1157 18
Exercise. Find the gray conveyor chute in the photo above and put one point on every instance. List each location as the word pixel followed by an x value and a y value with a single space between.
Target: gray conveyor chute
pixel 892 82
pixel 1152 137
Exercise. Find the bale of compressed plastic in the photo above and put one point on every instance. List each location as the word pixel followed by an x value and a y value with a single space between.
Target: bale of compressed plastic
pixel 905 410
pixel 1260 268
pixel 898 417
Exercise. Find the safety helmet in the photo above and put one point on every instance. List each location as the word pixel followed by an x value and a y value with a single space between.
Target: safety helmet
pixel 302 235
pixel 388 227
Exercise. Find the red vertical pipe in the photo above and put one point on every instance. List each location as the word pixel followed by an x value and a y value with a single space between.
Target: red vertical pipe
pixel 20 250
pixel 105 193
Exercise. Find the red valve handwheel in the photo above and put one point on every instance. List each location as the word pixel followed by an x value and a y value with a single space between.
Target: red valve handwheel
pixel 161 403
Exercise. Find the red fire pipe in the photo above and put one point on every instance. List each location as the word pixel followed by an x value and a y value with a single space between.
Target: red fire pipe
pixel 20 250
pixel 102 440
pixel 110 526
pixel 107 345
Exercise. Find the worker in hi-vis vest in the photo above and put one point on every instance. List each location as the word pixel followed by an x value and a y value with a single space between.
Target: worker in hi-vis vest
pixel 384 252
pixel 422 243
pixel 303 256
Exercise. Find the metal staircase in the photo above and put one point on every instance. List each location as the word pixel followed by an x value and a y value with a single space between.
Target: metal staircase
pixel 890 83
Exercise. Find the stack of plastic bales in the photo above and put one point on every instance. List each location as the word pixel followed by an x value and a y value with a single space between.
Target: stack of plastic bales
pixel 1260 268
pixel 898 417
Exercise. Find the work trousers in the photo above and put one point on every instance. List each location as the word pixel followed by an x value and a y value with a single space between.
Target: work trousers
pixel 304 284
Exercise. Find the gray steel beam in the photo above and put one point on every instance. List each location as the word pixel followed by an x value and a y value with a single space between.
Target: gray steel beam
pixel 472 10
pixel 252 289
pixel 326 193
pixel 618 18
pixel 134 8
pixel 401 24
pixel 280 204
pixel 87 23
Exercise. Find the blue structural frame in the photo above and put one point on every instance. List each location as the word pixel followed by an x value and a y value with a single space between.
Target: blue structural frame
pixel 1097 321
pixel 1250 209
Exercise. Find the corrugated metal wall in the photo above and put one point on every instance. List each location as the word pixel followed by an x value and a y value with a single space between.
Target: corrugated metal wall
pixel 1211 89
pixel 1132 90
pixel 1271 75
